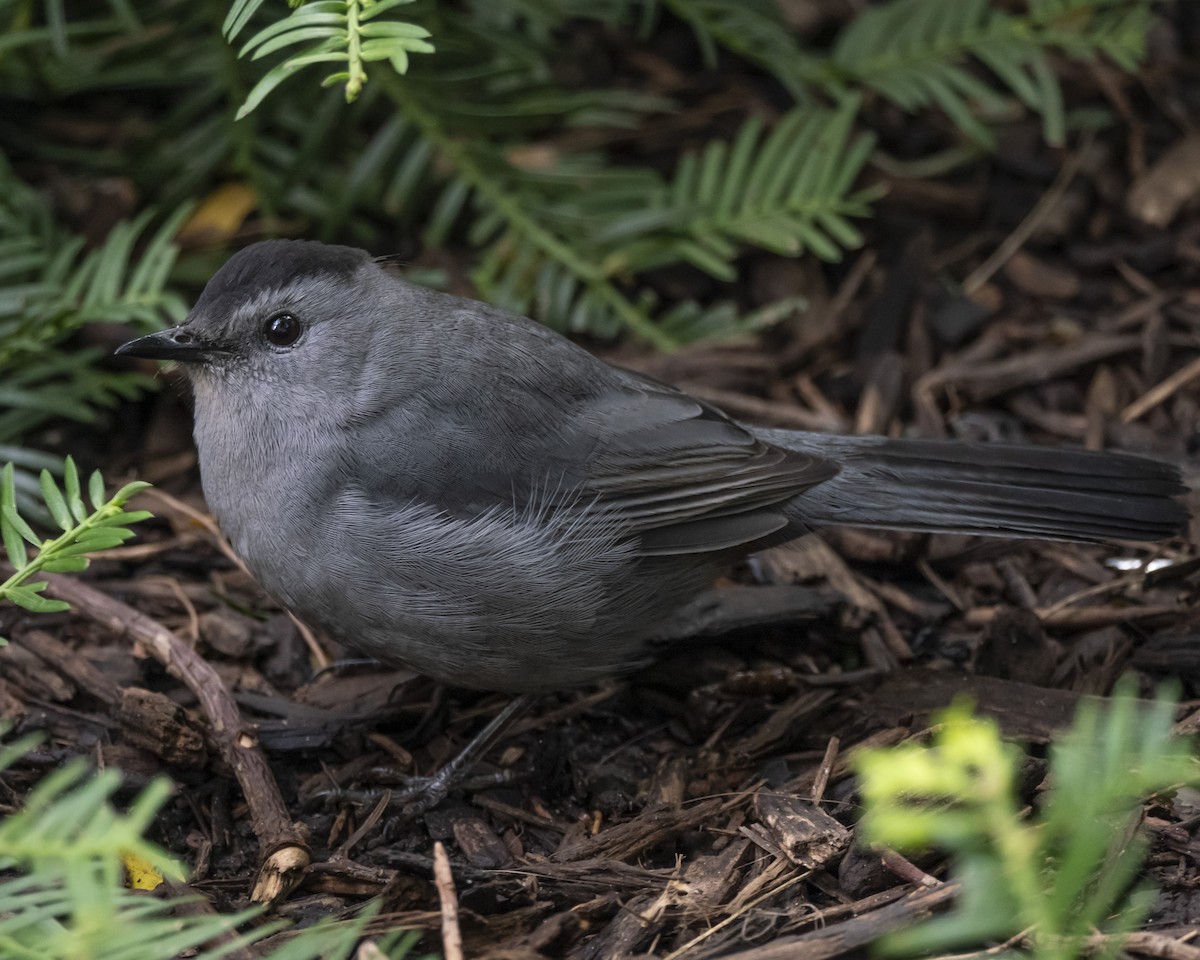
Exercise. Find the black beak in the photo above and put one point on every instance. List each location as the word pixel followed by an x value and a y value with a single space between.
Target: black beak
pixel 174 344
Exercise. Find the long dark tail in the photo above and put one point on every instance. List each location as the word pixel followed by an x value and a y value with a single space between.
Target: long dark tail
pixel 988 489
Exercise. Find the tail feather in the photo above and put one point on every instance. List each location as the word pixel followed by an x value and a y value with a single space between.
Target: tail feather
pixel 988 489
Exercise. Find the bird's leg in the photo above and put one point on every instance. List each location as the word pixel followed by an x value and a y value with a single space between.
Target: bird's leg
pixel 424 793
pixel 416 795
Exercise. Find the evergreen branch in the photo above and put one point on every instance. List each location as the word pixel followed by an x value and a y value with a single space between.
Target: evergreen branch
pixel 563 244
pixel 1082 28
pixel 787 191
pixel 65 818
pixel 63 856
pixel 752 29
pixel 567 237
pixel 505 206
pixel 918 53
pixel 345 32
pixel 85 532
pixel 915 53
pixel 50 288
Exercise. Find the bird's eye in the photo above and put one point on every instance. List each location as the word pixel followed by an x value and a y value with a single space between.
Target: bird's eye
pixel 282 330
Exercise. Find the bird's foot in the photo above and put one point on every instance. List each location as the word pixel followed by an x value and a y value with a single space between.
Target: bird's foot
pixel 414 796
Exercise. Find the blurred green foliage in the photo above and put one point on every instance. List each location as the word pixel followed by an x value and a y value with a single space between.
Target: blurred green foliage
pixel 528 135
pixel 69 857
pixel 1055 878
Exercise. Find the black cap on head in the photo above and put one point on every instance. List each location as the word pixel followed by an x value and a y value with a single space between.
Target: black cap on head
pixel 275 264
pixel 267 265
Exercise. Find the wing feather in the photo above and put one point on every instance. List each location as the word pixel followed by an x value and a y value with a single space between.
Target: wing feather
pixel 537 424
pixel 684 478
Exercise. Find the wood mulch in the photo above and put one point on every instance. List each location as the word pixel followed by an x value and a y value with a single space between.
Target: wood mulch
pixel 706 806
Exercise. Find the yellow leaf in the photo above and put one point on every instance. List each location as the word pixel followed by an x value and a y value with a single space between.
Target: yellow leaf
pixel 140 874
pixel 220 214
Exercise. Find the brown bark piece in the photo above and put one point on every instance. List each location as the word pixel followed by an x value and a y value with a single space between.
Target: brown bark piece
pixel 479 843
pixel 1023 711
pixel 156 723
pixel 806 834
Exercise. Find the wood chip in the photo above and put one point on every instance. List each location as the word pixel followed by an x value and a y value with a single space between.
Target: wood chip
pixel 1163 189
pixel 1040 278
pixel 806 834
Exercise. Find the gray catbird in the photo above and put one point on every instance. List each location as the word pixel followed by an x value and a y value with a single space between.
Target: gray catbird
pixel 462 491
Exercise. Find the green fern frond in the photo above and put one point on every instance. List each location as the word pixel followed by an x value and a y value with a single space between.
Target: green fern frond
pixel 55 384
pixel 62 892
pixel 569 244
pixel 753 29
pixel 1082 28
pixel 787 191
pixel 917 53
pixel 57 30
pixel 49 287
pixel 346 33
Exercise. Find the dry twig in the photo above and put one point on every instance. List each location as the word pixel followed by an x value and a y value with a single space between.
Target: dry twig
pixel 452 946
pixel 283 851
